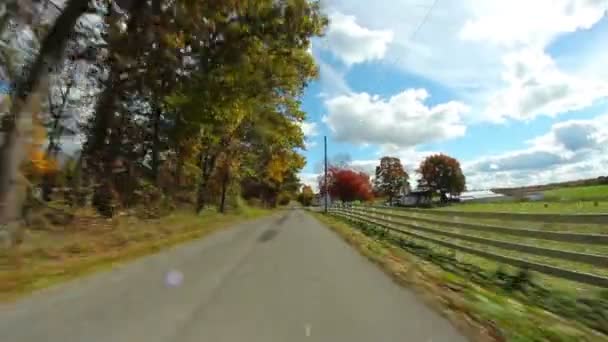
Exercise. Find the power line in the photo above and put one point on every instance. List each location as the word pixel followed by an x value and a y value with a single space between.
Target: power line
pixel 424 19
pixel 417 29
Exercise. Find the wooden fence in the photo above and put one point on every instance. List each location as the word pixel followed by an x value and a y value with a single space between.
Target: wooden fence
pixel 400 221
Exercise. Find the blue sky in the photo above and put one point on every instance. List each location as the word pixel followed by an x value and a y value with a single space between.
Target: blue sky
pixel 516 90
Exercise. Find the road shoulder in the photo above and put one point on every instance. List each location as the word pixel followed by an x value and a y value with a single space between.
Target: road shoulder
pixel 480 314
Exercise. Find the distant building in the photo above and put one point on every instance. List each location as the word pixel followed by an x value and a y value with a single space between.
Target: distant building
pixel 481 196
pixel 415 198
pixel 535 196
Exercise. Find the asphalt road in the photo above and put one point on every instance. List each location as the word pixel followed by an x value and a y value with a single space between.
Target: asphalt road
pixel 283 278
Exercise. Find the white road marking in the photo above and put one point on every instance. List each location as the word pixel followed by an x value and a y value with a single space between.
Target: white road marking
pixel 307 330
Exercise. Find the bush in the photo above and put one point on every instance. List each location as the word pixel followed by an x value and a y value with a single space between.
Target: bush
pixel 283 199
pixel 255 202
pixel 105 200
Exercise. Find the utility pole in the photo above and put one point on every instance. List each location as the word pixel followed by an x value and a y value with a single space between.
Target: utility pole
pixel 325 177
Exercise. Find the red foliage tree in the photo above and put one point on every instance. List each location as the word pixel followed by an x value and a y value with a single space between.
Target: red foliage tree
pixel 346 185
pixel 441 173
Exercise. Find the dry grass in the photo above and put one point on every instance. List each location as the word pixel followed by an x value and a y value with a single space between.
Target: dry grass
pixel 481 314
pixel 49 257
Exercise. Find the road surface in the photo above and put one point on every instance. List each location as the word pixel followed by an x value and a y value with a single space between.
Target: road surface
pixel 282 278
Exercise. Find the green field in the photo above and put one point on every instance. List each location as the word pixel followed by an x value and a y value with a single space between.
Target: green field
pixel 491 265
pixel 543 294
pixel 579 207
pixel 565 200
pixel 582 193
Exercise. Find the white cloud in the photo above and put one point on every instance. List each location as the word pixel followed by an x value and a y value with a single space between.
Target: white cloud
pixel 309 129
pixel 535 86
pixel 353 43
pixel 331 80
pixel 310 179
pixel 530 23
pixel 435 52
pixel 403 120
pixel 495 56
pixel 367 166
pixel 571 149
pixel 462 45
pixel 575 135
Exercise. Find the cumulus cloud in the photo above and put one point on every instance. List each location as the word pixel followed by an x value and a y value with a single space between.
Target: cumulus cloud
pixel 403 120
pixel 310 179
pixel 309 129
pixel 535 86
pixel 462 46
pixel 571 149
pixel 530 23
pixel 576 135
pixel 332 80
pixel 353 43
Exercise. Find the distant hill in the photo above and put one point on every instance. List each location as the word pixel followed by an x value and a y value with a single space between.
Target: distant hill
pixel 521 191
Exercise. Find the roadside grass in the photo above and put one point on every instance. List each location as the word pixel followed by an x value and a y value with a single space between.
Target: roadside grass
pixel 557 283
pixel 546 206
pixel 483 313
pixel 565 227
pixel 579 193
pixel 50 257
pixel 564 246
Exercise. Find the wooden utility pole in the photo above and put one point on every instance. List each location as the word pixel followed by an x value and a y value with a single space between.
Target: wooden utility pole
pixel 326 190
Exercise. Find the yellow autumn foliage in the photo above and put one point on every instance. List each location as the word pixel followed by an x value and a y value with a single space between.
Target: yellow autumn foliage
pixel 175 40
pixel 277 168
pixel 41 164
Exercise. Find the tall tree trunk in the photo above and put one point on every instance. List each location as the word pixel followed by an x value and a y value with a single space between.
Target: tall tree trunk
pixel 11 151
pixel 179 168
pixel 225 180
pixel 156 142
pixel 97 147
pixel 158 89
pixel 207 165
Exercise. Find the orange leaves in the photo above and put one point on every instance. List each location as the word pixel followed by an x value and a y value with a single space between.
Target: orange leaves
pixel 40 162
pixel 442 173
pixel 391 177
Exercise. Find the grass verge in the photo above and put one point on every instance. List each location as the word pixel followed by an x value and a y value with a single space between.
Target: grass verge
pixel 483 314
pixel 48 258
pixel 542 207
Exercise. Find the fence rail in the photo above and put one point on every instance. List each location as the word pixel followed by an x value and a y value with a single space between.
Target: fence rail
pixel 576 276
pixel 592 259
pixel 594 239
pixel 531 217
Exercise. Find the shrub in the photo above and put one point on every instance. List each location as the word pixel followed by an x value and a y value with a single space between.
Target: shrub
pixel 283 199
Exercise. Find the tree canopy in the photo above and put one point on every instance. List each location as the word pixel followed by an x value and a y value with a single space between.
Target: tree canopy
pixel 306 196
pixel 391 178
pixel 442 173
pixel 172 96
pixel 346 185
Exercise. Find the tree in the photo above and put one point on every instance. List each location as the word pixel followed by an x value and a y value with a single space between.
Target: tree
pixel 391 178
pixel 306 196
pixel 24 98
pixel 204 93
pixel 346 185
pixel 442 173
